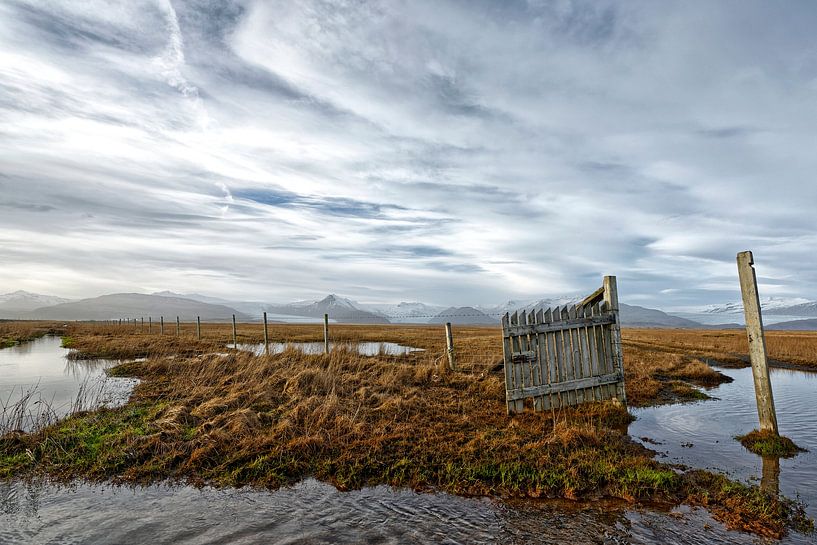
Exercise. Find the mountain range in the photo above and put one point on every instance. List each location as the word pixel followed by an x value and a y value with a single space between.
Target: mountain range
pixel 26 305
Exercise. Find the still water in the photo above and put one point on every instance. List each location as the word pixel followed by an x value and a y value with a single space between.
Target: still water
pixel 56 383
pixel 362 348
pixel 313 512
pixel 702 434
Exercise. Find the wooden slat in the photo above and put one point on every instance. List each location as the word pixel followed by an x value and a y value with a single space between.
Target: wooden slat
pixel 572 385
pixel 595 356
pixel 519 405
pixel 567 323
pixel 575 353
pixel 507 354
pixel 593 298
pixel 567 357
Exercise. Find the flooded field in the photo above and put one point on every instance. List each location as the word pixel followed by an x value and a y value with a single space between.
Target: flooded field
pixel 56 384
pixel 362 348
pixel 702 434
pixel 699 435
pixel 313 512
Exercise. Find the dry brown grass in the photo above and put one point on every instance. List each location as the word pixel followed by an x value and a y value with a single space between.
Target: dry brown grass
pixel 729 347
pixel 231 418
pixel 12 332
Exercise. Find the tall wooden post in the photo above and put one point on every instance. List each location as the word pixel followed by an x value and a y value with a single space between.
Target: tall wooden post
pixel 235 336
pixel 150 323
pixel 266 337
pixel 449 344
pixel 611 298
pixel 143 324
pixel 757 343
pixel 178 326
pixel 161 325
pixel 198 328
pixel 325 333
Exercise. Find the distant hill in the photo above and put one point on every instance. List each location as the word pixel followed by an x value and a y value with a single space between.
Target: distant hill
pixel 135 305
pixel 13 305
pixel 252 308
pixel 339 309
pixel 808 309
pixel 636 316
pixel 463 316
pixel 809 324
pixel 403 313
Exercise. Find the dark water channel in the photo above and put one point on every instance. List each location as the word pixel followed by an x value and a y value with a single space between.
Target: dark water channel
pixel 702 434
pixel 314 512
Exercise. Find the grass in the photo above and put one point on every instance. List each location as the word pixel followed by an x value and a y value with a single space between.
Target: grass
pixel 796 349
pixel 204 413
pixel 768 443
pixel 13 333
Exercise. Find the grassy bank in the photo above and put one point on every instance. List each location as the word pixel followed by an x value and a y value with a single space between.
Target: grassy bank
pixel 767 443
pixel 13 333
pixel 229 418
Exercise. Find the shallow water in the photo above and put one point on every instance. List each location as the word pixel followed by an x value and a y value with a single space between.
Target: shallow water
pixel 362 348
pixel 57 383
pixel 313 512
pixel 702 434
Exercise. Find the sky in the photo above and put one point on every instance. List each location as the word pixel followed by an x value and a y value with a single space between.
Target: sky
pixel 451 152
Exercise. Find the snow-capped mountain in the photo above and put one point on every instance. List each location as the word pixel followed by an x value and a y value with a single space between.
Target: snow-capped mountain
pixel 515 305
pixel 12 304
pixel 769 305
pixel 404 312
pixel 337 307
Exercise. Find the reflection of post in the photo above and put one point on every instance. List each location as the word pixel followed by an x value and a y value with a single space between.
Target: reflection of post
pixel 770 479
pixel 325 333
pixel 266 337
pixel 757 343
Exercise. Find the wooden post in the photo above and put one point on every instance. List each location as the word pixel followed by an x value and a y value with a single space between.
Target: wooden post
pixel 235 336
pixel 757 343
pixel 449 343
pixel 611 298
pixel 143 324
pixel 150 323
pixel 178 326
pixel 325 333
pixel 161 325
pixel 266 337
pixel 198 328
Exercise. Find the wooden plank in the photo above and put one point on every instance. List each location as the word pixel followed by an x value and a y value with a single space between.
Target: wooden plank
pixel 611 298
pixel 569 386
pixel 757 342
pixel 507 354
pixel 593 298
pixel 552 373
pixel 567 357
pixel 519 405
pixel 607 352
pixel 541 364
pixel 587 371
pixel 595 362
pixel 575 353
pixel 567 323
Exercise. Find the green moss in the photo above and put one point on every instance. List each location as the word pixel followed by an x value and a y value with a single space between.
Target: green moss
pixel 7 343
pixel 68 342
pixel 767 443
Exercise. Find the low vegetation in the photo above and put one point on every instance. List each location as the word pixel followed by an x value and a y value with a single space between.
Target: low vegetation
pixel 204 413
pixel 794 349
pixel 12 333
pixel 768 443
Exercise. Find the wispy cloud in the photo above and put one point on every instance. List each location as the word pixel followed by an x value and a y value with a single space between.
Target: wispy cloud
pixel 461 152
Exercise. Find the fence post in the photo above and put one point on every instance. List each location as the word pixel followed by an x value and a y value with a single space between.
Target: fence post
pixel 178 326
pixel 161 325
pixel 266 337
pixel 198 328
pixel 142 327
pixel 150 324
pixel 325 333
pixel 235 336
pixel 611 298
pixel 757 343
pixel 449 344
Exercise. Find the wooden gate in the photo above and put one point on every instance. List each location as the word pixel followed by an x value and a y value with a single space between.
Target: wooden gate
pixel 565 356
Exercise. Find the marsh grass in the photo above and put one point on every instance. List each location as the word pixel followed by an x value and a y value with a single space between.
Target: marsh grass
pixel 205 414
pixel 768 443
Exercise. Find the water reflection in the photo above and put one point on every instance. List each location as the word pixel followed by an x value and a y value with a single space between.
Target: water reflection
pixel 362 348
pixel 702 434
pixel 39 375
pixel 314 512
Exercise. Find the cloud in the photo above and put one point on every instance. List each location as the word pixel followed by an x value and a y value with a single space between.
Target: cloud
pixel 454 152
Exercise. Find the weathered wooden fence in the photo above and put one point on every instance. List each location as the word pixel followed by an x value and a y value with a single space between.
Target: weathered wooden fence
pixel 564 356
